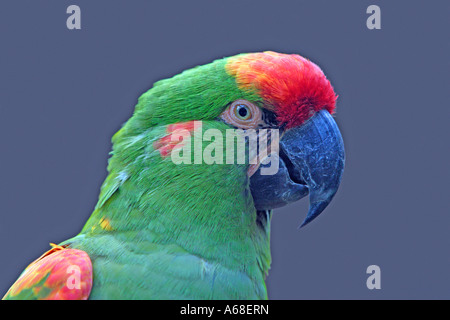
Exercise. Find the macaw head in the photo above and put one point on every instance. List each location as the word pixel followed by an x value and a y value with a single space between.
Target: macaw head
pixel 287 101
pixel 299 97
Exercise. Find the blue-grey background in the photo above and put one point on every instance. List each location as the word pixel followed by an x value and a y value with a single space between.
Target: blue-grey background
pixel 63 93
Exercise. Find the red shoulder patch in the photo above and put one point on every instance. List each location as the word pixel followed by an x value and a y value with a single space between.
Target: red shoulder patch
pixel 59 274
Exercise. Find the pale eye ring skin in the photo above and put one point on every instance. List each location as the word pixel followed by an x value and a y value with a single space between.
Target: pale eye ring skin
pixel 242 114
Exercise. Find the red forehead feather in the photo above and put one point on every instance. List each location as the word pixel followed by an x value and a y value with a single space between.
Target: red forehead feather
pixel 294 87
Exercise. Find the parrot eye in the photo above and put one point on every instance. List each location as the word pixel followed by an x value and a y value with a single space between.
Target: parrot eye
pixel 242 114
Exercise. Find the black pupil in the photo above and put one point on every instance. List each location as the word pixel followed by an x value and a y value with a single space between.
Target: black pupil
pixel 242 110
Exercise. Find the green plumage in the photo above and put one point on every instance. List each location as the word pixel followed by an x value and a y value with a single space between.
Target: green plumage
pixel 167 231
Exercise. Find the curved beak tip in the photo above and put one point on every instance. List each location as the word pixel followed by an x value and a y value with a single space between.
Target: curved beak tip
pixel 314 211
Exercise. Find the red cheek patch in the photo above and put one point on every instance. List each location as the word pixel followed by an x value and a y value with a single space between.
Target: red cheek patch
pixel 177 133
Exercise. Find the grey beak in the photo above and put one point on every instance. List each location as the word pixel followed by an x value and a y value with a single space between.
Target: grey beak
pixel 311 161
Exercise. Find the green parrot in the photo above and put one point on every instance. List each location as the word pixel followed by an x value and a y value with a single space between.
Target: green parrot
pixel 179 216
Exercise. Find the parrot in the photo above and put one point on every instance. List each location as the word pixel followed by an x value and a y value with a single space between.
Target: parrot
pixel 175 230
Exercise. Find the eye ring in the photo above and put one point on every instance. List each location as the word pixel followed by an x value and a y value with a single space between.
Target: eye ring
pixel 243 114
